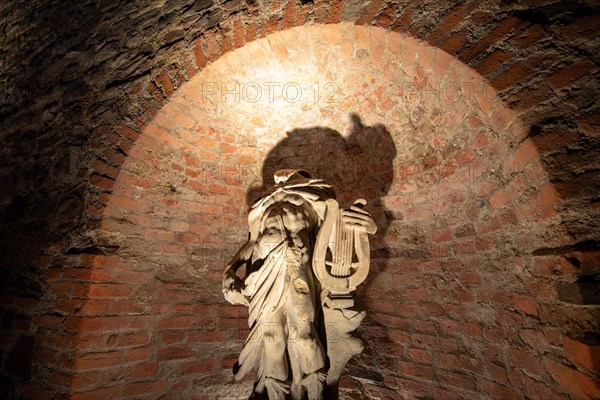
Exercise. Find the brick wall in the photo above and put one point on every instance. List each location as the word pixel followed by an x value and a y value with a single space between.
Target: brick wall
pixel 488 237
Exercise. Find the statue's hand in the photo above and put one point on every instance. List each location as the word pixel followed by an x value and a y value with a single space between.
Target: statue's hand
pixel 233 288
pixel 360 219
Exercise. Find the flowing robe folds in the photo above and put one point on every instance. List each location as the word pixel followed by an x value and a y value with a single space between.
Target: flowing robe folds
pixel 287 340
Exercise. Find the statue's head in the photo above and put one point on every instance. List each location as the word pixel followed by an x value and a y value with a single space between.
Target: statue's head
pixel 296 200
pixel 281 176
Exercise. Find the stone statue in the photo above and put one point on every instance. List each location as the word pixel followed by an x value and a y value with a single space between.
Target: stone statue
pixel 303 258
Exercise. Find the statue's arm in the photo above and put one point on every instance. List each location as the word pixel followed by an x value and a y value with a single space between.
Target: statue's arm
pixel 232 284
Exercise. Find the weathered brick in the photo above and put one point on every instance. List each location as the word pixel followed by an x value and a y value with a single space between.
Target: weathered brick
pixel 153 201
pixel 451 19
pixel 493 61
pixel 570 74
pixel 456 380
pixel 582 354
pixel 575 382
pixel 145 387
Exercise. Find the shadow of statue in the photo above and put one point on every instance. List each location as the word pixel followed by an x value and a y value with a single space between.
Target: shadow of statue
pixel 358 165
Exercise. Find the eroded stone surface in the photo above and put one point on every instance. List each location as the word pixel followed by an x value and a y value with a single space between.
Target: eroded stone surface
pixel 297 285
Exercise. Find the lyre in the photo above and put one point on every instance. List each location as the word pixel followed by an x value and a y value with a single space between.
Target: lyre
pixel 341 257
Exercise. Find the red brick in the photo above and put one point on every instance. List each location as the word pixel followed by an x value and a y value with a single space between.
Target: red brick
pixel 200 367
pixel 464 157
pixel 133 339
pixel 448 361
pixel 238 31
pixel 489 226
pixel 376 49
pixel 497 391
pixel 86 380
pixel 526 361
pixel 226 41
pixel 432 309
pixel 113 392
pixel 335 13
pixel 272 24
pixel 178 322
pixel 43 355
pixel 584 26
pixel 494 36
pixel 527 304
pixel 442 235
pixel 469 278
pixel 103 168
pixel 102 182
pixel 542 290
pixel 212 336
pixel 499 199
pixel 538 390
pixel 554 337
pixel 156 93
pixel 174 353
pixel 405 18
pixel 98 360
pixel 251 31
pixel 145 388
pixel 550 141
pixel 582 354
pixel 289 15
pixel 137 354
pixel 529 36
pixel 570 74
pixel 145 370
pixel 170 248
pixel 439 393
pixel 415 370
pixel 97 290
pixel 109 323
pixel 456 380
pixel 579 384
pixel 449 327
pixel 495 372
pixel 508 318
pixel 165 82
pixel 493 61
pixel 369 12
pixel 212 44
pixel 126 203
pixel 32 392
pixel 415 295
pixel 450 21
pixel 516 73
pixel 184 121
pixel 201 59
pixel 455 42
pixel 473 330
pixel 386 17
pixel 534 338
pixel 421 356
pixel 173 337
pixel 545 198
pixel 424 327
pixel 522 156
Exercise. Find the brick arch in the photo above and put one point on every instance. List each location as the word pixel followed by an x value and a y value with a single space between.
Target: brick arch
pixel 148 323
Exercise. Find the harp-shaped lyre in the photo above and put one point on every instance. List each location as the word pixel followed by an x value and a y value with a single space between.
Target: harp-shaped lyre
pixel 341 257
